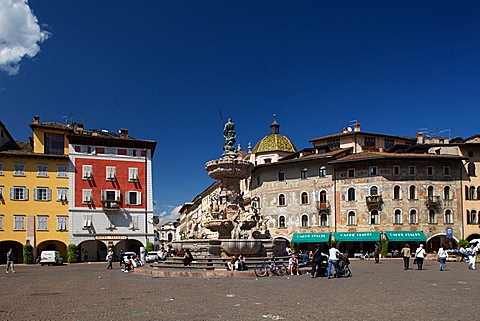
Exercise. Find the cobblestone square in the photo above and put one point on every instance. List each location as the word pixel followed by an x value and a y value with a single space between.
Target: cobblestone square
pixel 376 291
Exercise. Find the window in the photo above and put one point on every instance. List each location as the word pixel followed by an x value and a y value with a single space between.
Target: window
pixel 134 198
pixel 42 194
pixel 281 222
pixel 448 217
pixel 88 149
pixel 281 176
pixel 110 151
pixel 471 169
pixel 429 170
pixel 351 194
pixel 432 217
pixel 413 217
pixel 369 142
pixel 62 171
pixel 54 144
pixel 324 220
pixel 19 194
pixel 304 220
pixel 87 221
pixel 374 217
pixel 333 143
pixel 1 193
pixel 111 173
pixel 396 192
pixel 351 173
pixel 478 193
pixel 398 217
pixel 396 170
pixel 413 191
pixel 1 222
pixel 373 171
pixel 110 195
pixel 42 223
pixel 111 222
pixel 62 223
pixel 323 199
pixel 446 171
pixel 471 193
pixel 19 222
pixel 304 173
pixel 446 192
pixel 351 218
pixel 87 196
pixel 1 168
pixel 281 200
pixel 471 217
pixel 304 198
pixel 18 169
pixel 411 170
pixel 389 143
pixel 42 170
pixel 133 174
pixel 87 171
pixel 430 191
pixel 373 190
pixel 61 194
pixel 134 222
pixel 322 172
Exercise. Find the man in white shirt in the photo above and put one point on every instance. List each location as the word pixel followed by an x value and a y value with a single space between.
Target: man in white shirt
pixel 332 260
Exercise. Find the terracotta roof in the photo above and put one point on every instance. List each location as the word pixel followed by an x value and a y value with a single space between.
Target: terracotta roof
pixel 24 149
pixel 51 125
pixel 330 154
pixel 380 155
pixel 363 133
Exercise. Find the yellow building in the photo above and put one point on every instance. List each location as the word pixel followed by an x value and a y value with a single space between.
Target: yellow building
pixel 34 190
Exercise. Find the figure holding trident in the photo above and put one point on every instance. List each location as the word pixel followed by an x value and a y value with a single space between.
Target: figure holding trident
pixel 230 136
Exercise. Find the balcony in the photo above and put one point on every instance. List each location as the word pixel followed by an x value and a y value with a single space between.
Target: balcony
pixel 323 206
pixel 108 205
pixel 374 201
pixel 433 201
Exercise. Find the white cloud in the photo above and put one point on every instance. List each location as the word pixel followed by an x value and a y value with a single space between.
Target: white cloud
pixel 20 34
pixel 173 215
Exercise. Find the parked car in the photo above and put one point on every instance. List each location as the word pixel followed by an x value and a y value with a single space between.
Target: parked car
pixel 151 256
pixel 50 257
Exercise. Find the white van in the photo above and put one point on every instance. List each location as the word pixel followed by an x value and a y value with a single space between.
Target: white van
pixel 50 257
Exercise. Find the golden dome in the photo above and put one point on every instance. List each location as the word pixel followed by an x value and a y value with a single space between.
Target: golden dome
pixel 274 143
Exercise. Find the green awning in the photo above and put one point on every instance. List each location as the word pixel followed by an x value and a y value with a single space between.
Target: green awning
pixel 399 236
pixel 356 236
pixel 310 237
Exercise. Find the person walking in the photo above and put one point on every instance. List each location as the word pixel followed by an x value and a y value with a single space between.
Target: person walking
pixel 442 257
pixel 472 253
pixel 121 255
pixel 316 261
pixel 110 259
pixel 376 253
pixel 406 253
pixel 85 256
pixel 420 256
pixel 332 260
pixel 10 261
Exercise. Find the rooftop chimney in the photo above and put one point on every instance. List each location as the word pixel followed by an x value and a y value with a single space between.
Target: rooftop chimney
pixel 356 127
pixel 80 126
pixel 427 139
pixel 30 138
pixel 345 130
pixel 123 132
pixel 36 119
pixel 419 138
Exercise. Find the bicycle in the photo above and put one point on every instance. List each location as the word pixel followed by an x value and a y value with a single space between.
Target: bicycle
pixel 274 267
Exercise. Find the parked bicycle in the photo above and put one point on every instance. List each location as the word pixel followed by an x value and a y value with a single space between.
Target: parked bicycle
pixel 273 267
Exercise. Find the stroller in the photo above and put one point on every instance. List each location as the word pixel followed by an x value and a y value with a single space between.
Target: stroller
pixel 343 266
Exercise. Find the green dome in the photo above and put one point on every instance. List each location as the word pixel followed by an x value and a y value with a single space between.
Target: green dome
pixel 274 143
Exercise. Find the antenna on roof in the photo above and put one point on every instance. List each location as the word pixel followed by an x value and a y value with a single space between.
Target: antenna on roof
pixel 68 118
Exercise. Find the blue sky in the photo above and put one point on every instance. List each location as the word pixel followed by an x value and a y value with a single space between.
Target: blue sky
pixel 163 69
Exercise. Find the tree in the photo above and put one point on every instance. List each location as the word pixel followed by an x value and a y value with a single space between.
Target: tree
pixel 27 254
pixel 72 253
pixel 149 247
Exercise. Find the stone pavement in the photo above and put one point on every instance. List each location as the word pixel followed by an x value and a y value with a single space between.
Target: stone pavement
pixel 376 291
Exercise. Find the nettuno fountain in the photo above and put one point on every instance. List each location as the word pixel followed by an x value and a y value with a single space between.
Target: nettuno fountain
pixel 231 224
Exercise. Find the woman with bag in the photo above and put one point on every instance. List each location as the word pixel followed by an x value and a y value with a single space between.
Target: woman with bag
pixel 420 256
pixel 442 257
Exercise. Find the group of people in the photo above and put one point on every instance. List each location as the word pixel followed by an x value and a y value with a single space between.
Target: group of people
pixel 237 263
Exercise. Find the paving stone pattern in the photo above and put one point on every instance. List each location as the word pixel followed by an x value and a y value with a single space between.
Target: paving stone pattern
pixel 376 291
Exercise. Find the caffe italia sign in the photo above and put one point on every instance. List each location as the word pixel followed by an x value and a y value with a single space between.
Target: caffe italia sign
pixel 110 237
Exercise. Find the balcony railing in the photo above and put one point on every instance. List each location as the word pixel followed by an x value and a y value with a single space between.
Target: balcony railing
pixel 111 205
pixel 374 201
pixel 323 206
pixel 433 201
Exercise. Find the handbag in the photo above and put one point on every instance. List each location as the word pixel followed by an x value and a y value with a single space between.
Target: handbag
pixel 415 261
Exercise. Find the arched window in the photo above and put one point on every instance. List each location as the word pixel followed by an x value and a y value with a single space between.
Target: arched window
pixel 446 193
pixel 281 200
pixel 352 218
pixel 474 218
pixel 398 217
pixel 471 169
pixel 281 222
pixel 281 176
pixel 430 191
pixel 304 198
pixel 471 193
pixel 432 217
pixel 478 193
pixel 466 193
pixel 304 173
pixel 351 194
pixel 324 220
pixel 413 217
pixel 373 190
pixel 323 197
pixel 170 237
pixel 469 218
pixel 374 217
pixel 322 172
pixel 396 192
pixel 413 191
pixel 304 220
pixel 448 217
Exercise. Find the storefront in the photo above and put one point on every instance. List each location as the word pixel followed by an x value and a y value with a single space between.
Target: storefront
pixel 308 241
pixel 356 242
pixel 398 239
